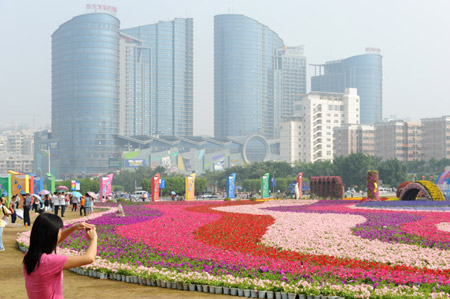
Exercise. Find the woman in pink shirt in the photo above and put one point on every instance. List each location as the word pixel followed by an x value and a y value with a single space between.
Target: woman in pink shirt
pixel 42 267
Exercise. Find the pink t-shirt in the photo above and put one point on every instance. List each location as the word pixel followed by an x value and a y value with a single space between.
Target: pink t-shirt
pixel 46 281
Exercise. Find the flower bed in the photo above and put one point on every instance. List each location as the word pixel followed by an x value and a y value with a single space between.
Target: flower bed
pixel 301 247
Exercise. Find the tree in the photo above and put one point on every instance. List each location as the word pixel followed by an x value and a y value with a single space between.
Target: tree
pixel 392 172
pixel 353 168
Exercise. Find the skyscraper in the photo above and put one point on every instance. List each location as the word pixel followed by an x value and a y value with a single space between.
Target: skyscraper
pixel 135 87
pixel 85 93
pixel 171 44
pixel 291 73
pixel 245 100
pixel 363 72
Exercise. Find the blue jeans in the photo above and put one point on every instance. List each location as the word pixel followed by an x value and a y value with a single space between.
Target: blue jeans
pixel 1 241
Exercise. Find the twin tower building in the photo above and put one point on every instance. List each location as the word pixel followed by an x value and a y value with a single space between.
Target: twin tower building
pixel 109 82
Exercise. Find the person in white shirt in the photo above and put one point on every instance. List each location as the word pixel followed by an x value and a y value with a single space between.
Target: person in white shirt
pixel 56 203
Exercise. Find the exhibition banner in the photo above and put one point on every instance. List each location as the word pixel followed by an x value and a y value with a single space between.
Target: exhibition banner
pixel 190 187
pixel 105 186
pixel 155 187
pixel 300 184
pixel 231 186
pixel 265 186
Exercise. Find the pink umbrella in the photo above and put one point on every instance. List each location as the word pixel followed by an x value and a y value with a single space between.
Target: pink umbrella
pixel 92 194
pixel 64 188
pixel 44 192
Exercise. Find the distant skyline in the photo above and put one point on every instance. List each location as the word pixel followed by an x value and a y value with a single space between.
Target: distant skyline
pixel 412 36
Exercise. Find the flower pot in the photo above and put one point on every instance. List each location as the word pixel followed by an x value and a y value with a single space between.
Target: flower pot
pixel 284 295
pixel 212 289
pixel 317 297
pixel 262 294
pixel 173 285
pixel 148 282
pixel 233 291
pixel 153 282
pixel 270 294
pixel 158 282
pixel 226 290
pixel 291 295
pixel 140 280
pixel 185 286
pixel 205 288
pixel 102 276
pixel 179 285
pixel 302 296
pixel 240 292
pixel 163 283
pixel 247 293
pixel 277 295
pixel 310 297
pixel 191 287
pixel 134 279
pixel 254 294
pixel 218 290
pixel 198 288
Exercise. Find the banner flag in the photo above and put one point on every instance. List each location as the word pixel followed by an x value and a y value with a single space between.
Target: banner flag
pixel 231 186
pixel 155 187
pixel 300 184
pixel 190 187
pixel 105 186
pixel 265 186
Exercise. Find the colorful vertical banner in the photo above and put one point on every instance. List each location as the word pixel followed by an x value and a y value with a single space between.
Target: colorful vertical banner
pixel 300 184
pixel 77 185
pixel 231 186
pixel 105 186
pixel 73 185
pixel 51 183
pixel 155 187
pixel 190 187
pixel 38 184
pixel 5 187
pixel 265 186
pixel 31 183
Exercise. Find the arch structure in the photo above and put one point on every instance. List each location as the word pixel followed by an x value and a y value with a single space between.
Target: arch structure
pixel 429 190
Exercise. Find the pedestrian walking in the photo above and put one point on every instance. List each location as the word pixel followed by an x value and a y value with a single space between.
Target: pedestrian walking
pixel 55 201
pixel 46 202
pixel 3 221
pixel 12 208
pixel 26 209
pixel 82 207
pixel 88 204
pixel 62 203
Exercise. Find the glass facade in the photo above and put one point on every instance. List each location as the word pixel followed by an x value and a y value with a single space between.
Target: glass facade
pixel 171 44
pixel 363 72
pixel 85 93
pixel 244 97
pixel 135 87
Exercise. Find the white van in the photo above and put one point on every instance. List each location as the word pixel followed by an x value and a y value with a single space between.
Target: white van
pixel 139 193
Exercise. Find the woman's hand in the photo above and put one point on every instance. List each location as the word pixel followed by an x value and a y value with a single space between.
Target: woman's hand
pixel 91 233
pixel 83 225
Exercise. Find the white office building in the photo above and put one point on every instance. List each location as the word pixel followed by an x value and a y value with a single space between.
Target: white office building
pixel 308 136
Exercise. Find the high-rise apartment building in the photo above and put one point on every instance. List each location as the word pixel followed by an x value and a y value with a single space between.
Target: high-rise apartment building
pixel 171 76
pixel 245 100
pixel 436 137
pixel 308 136
pixel 135 87
pixel 397 139
pixel 352 139
pixel 363 72
pixel 290 70
pixel 85 93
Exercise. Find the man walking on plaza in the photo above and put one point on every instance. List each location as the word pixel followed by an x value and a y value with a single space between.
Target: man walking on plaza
pixel 56 203
pixel 26 209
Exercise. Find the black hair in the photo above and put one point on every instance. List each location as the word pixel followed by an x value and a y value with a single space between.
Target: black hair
pixel 43 239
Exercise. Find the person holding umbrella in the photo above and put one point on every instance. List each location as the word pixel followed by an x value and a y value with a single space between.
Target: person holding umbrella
pixel 26 209
pixel 75 200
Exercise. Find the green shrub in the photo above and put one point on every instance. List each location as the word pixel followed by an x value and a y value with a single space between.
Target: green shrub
pixel 227 199
pixel 252 198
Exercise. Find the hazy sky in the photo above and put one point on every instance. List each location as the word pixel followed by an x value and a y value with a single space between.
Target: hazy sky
pixel 413 37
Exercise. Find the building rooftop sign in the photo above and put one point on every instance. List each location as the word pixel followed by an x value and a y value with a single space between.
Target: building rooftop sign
pixel 100 8
pixel 373 50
